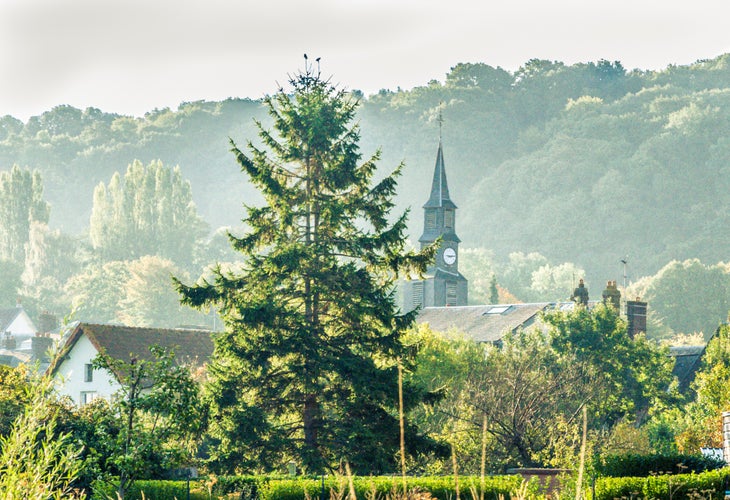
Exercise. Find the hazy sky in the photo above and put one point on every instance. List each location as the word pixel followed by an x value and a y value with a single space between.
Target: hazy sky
pixel 131 56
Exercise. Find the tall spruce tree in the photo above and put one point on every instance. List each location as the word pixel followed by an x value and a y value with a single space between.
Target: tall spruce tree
pixel 306 368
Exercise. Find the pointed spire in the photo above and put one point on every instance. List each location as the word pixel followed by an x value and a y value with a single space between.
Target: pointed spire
pixel 439 187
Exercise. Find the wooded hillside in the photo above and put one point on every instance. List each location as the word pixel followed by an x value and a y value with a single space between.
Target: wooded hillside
pixel 586 163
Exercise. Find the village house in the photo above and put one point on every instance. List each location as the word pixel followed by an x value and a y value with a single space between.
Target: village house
pixel 73 366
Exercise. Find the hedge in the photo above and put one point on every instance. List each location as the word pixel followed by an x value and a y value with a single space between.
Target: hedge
pixel 442 488
pixel 153 489
pixel 710 484
pixel 646 465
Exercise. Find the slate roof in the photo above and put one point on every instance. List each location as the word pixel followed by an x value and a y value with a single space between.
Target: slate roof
pixel 488 323
pixel 439 197
pixel 687 360
pixel 124 342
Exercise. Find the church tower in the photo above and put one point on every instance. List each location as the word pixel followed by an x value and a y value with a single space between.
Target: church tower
pixel 443 285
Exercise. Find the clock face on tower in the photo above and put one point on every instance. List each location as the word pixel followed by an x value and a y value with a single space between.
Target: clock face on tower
pixel 449 256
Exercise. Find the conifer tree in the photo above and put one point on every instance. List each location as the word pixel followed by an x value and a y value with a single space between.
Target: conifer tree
pixel 306 368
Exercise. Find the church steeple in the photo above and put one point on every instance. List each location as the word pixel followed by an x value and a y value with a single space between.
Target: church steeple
pixel 439 211
pixel 439 187
pixel 443 285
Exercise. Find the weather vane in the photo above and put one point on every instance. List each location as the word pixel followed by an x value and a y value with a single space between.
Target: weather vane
pixel 440 119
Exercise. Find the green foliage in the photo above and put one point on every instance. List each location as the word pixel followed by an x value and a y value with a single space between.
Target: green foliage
pixel 306 368
pixel 709 485
pixel 154 489
pixel 97 291
pixel 148 212
pixel 647 465
pixel 443 487
pixel 21 203
pixel 530 395
pixel 15 393
pixel 690 296
pixel 36 461
pixel 159 411
pixel 149 297
pixel 10 273
pixel 137 293
pixel 634 379
pixel 443 366
pixel 699 423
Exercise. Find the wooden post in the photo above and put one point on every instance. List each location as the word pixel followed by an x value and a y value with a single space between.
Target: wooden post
pixel 402 426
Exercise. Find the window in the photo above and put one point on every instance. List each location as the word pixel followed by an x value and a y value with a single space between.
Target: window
pixel 87 397
pixel 88 372
pixel 498 310
pixel 450 293
pixel 417 297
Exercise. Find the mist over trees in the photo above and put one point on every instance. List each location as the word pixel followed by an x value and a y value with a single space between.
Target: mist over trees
pixel 577 165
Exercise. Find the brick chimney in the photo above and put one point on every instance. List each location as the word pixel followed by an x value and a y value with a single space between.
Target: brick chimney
pixel 636 316
pixel 612 296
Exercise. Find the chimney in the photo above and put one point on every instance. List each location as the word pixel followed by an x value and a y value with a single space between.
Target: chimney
pixel 636 316
pixel 9 341
pixel 40 347
pixel 612 296
pixel 47 322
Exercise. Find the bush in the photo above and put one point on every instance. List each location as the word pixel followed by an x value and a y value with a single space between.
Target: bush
pixel 246 486
pixel 646 465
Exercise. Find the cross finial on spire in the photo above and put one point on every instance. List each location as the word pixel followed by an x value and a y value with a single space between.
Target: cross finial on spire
pixel 440 119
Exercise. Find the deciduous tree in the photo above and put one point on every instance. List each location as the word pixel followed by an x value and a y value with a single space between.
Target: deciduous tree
pixel 149 211
pixel 159 413
pixel 21 203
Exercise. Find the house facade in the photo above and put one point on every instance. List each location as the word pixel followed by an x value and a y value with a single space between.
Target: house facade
pixel 73 366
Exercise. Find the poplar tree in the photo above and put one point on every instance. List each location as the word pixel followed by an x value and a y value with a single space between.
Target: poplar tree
pixel 149 211
pixel 306 368
pixel 21 203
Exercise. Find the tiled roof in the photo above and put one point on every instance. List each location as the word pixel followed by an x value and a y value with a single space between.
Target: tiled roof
pixel 488 323
pixel 125 342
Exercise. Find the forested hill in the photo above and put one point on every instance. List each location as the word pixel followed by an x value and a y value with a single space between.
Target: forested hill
pixel 585 163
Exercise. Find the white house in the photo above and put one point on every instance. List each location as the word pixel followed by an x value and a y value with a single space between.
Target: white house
pixel 16 325
pixel 72 367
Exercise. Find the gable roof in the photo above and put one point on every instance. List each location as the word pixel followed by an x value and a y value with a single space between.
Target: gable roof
pixel 7 316
pixel 126 342
pixel 488 323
